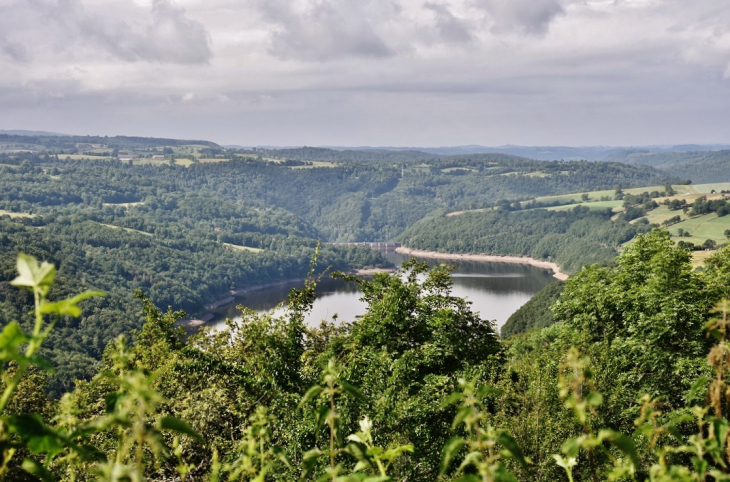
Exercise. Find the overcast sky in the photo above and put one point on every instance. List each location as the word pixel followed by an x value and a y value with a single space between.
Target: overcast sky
pixel 370 72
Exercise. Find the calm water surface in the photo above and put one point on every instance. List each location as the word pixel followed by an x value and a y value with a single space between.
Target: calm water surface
pixel 496 290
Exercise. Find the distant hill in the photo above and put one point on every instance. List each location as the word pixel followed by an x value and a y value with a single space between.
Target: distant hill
pixel 545 153
pixel 700 166
pixel 29 133
pixel 62 141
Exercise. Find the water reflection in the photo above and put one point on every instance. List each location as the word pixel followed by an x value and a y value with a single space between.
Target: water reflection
pixel 496 290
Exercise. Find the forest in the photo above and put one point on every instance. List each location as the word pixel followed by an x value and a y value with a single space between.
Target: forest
pixel 628 383
pixel 110 387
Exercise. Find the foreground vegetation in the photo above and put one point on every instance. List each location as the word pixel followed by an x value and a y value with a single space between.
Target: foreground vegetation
pixel 418 389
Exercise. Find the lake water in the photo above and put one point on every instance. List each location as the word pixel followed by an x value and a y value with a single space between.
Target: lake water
pixel 496 290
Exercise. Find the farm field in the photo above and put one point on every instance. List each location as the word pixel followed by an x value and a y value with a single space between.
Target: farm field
pixel 616 206
pixel 15 215
pixel 237 247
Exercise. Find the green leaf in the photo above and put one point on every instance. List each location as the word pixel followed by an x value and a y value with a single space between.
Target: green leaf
pixel 321 415
pixel 69 306
pixel 625 445
pixel 461 415
pixel 594 399
pixel 452 447
pixel 32 275
pixel 111 400
pixel 12 336
pixel 311 394
pixel 352 390
pixel 174 424
pixel 485 390
pixel 698 385
pixel 453 398
pixel 35 468
pixel 38 437
pixel 360 452
pixel 511 446
pixel 309 460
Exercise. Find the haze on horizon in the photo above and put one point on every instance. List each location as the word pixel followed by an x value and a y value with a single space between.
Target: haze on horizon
pixel 373 72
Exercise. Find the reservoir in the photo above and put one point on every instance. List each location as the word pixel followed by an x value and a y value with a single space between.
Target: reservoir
pixel 496 290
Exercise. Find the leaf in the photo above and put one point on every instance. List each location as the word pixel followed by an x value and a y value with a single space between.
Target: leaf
pixel 453 398
pixel 111 400
pixel 35 468
pixel 311 394
pixel 38 437
pixel 625 445
pixel 353 390
pixel 280 454
pixel 567 463
pixel 309 460
pixel 594 399
pixel 12 336
pixel 360 452
pixel 461 416
pixel 511 445
pixel 699 384
pixel 452 447
pixel 68 306
pixel 32 275
pixel 321 417
pixel 174 424
pixel 485 390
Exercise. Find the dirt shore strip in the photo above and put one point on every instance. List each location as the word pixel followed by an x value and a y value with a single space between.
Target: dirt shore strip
pixel 487 259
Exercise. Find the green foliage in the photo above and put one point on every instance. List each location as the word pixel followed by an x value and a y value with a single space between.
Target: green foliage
pixel 535 313
pixel 570 238
pixel 645 397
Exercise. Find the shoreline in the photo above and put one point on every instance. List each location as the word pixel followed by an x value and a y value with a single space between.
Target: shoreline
pixel 486 258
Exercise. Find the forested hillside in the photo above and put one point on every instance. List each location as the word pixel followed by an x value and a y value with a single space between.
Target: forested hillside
pixel 626 385
pixel 187 233
pixel 570 238
pixel 699 166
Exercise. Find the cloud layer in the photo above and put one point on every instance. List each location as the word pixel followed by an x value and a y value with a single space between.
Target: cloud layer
pixel 418 72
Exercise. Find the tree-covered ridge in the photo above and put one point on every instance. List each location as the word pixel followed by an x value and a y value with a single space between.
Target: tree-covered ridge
pixel 626 386
pixel 699 166
pixel 535 313
pixel 570 238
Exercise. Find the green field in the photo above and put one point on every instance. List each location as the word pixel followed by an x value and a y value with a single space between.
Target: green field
pixel 237 247
pixel 129 230
pixel 16 215
pixel 616 206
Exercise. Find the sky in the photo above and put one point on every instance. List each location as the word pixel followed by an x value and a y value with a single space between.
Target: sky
pixel 370 72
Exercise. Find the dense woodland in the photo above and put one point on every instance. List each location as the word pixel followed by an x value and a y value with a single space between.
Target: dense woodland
pixel 699 166
pixel 118 391
pixel 571 238
pixel 625 385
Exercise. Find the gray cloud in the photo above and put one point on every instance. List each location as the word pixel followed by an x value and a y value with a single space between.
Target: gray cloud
pixel 327 30
pixel 451 29
pixel 13 50
pixel 531 17
pixel 161 34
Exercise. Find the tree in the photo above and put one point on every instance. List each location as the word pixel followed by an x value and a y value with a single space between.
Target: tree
pixel 644 319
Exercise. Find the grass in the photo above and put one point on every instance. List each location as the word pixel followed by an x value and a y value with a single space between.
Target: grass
pixel 16 215
pixel 316 164
pixel 708 188
pixel 124 205
pixel 129 230
pixel 616 206
pixel 237 247
pixel 699 257
pixel 452 169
